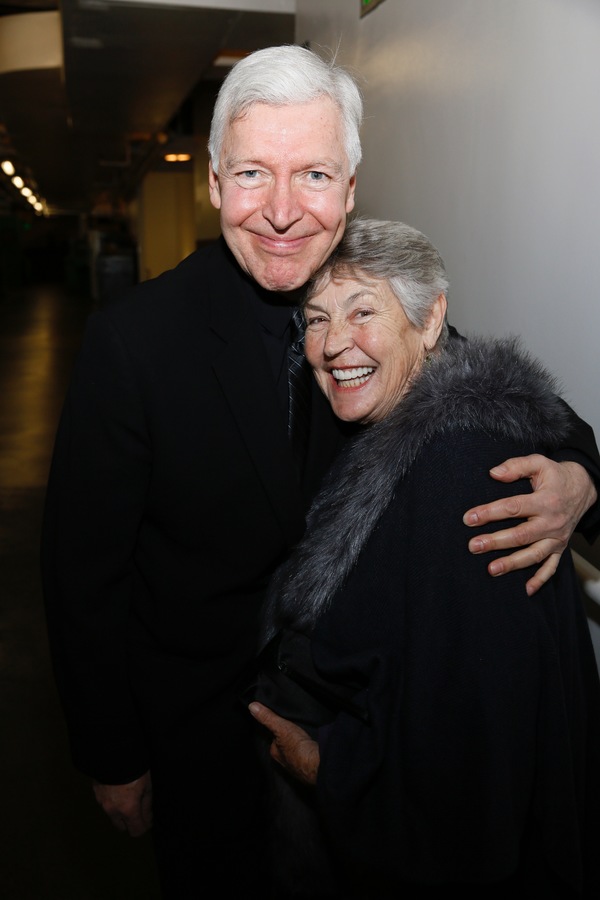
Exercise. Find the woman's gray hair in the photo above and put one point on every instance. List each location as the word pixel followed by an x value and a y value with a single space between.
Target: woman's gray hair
pixel 281 76
pixel 393 252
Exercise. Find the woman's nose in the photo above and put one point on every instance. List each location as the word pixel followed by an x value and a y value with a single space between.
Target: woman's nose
pixel 338 339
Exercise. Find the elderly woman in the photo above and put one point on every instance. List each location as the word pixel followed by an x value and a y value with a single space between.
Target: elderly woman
pixel 445 727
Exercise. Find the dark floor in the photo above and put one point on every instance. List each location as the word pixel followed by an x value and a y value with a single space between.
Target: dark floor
pixel 54 841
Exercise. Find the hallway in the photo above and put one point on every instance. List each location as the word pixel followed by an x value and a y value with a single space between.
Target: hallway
pixel 54 841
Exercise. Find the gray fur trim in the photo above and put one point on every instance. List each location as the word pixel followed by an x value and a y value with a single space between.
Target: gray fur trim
pixel 476 385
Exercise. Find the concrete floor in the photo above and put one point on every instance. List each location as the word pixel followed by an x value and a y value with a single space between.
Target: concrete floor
pixel 54 841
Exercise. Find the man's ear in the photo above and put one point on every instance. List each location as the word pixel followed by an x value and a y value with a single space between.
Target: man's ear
pixel 435 322
pixel 214 189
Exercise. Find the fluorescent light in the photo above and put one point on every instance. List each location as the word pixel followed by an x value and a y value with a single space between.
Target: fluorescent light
pixel 275 6
pixel 227 60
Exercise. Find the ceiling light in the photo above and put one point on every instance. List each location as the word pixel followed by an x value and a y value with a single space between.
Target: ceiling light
pixel 7 167
pixel 27 192
pixel 33 200
pixel 80 42
pixel 18 182
pixel 177 157
pixel 96 5
pixel 228 58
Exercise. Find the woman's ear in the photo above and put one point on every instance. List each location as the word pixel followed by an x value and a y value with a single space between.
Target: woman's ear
pixel 435 322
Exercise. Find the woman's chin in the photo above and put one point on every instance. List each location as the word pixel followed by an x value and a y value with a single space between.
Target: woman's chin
pixel 345 414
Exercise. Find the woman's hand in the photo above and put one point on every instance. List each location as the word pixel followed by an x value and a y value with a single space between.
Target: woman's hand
pixel 128 806
pixel 292 747
pixel 562 493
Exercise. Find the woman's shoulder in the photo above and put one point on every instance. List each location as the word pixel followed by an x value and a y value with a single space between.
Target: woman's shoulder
pixel 485 385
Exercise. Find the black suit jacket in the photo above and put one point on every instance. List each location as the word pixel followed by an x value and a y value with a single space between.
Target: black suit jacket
pixel 172 497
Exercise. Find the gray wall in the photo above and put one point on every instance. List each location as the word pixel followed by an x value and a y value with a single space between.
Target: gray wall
pixel 483 130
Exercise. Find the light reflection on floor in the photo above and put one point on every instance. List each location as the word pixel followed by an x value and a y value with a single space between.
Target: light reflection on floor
pixel 56 844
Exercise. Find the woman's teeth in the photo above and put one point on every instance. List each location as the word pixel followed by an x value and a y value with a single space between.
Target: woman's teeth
pixel 352 377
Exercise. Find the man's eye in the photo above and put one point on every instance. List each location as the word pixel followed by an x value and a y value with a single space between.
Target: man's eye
pixel 317 179
pixel 249 178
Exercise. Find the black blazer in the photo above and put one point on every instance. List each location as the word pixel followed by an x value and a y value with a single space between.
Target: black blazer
pixel 172 497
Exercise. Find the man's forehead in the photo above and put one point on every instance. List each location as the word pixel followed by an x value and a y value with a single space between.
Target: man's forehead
pixel 297 113
pixel 323 101
pixel 255 134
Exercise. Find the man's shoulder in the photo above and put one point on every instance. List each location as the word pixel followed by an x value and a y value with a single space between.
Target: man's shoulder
pixel 179 294
pixel 213 259
pixel 192 277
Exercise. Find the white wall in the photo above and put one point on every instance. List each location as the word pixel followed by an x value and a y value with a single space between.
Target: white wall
pixel 483 130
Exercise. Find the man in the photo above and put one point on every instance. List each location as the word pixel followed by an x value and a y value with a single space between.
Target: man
pixel 174 494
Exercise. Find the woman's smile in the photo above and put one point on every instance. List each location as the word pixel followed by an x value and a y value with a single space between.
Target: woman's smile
pixel 350 378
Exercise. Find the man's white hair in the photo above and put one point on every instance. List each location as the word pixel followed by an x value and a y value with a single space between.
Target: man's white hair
pixel 280 76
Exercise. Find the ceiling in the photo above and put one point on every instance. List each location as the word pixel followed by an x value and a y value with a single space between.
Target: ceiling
pixel 133 75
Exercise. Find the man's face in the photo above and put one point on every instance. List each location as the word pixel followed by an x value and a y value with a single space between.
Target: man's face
pixel 284 190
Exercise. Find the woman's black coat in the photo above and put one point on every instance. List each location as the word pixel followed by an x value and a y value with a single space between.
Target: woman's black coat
pixel 484 703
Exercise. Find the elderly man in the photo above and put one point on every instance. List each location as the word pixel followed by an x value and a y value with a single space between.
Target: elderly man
pixel 174 491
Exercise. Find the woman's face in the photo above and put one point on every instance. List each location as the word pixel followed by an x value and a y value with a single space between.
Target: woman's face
pixel 362 348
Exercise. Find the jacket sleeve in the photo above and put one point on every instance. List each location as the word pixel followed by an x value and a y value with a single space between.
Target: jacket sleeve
pixel 469 703
pixel 580 446
pixel 96 489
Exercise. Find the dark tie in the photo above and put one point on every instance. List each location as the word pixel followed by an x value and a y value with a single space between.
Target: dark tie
pixel 299 385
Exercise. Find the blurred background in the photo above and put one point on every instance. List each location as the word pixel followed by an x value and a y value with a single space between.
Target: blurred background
pixel 482 130
pixel 104 115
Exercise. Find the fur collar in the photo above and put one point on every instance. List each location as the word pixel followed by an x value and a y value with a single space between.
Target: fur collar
pixel 476 385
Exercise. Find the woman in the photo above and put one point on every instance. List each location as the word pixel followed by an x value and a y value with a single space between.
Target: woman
pixel 445 726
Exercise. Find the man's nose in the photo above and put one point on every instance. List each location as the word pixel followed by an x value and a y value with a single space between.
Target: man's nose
pixel 282 208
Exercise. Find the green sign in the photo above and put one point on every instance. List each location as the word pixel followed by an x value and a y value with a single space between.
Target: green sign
pixel 367 5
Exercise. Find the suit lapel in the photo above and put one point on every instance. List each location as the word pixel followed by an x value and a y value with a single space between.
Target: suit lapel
pixel 242 370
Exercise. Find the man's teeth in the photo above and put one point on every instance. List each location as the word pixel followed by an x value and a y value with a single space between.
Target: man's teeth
pixel 352 377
